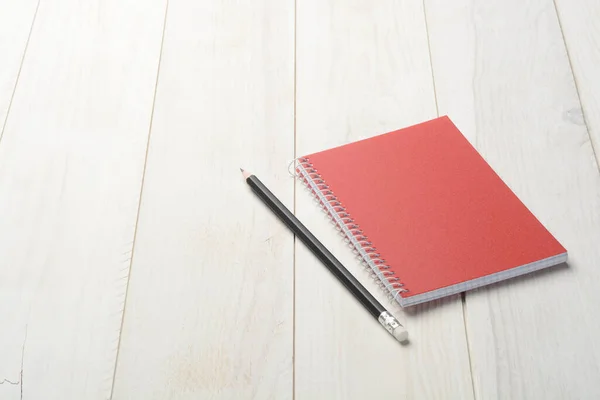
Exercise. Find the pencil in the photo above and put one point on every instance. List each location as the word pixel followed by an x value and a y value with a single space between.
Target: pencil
pixel 385 318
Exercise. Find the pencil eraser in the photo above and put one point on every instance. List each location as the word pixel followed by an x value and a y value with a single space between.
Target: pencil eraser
pixel 401 334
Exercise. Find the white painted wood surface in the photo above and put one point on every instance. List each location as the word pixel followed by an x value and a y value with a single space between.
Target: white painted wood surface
pixel 209 313
pixel 362 69
pixel 581 31
pixel 16 19
pixel 503 75
pixel 71 163
pixel 223 305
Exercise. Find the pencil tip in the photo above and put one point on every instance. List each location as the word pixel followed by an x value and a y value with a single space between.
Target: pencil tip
pixel 245 173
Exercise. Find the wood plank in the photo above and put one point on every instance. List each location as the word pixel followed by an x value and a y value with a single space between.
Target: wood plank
pixel 71 163
pixel 16 19
pixel 209 309
pixel 363 69
pixel 502 74
pixel 579 23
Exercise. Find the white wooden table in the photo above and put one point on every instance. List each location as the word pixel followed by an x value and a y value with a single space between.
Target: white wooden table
pixel 136 264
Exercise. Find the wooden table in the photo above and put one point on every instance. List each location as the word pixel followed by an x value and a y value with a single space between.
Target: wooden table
pixel 136 264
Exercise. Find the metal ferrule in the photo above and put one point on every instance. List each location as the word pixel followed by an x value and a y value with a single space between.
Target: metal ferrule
pixel 389 322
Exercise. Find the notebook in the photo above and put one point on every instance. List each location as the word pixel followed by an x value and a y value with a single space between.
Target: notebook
pixel 426 214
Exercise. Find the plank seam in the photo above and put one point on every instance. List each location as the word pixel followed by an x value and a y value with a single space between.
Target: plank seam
pixel 437 111
pixel 463 304
pixel 137 218
pixel 585 122
pixel 12 96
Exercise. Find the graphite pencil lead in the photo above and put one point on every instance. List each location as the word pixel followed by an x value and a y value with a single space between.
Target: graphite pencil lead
pixel 245 173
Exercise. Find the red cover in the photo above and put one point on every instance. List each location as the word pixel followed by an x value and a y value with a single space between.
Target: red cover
pixel 433 208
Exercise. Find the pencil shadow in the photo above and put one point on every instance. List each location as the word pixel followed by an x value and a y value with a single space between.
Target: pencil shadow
pixel 545 273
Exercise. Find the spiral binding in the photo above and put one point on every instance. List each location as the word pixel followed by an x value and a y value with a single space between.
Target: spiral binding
pixel 354 237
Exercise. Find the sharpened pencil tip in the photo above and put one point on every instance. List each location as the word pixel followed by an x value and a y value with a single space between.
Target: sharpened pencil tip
pixel 245 173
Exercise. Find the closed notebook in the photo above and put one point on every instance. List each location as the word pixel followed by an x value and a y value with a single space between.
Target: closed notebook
pixel 426 213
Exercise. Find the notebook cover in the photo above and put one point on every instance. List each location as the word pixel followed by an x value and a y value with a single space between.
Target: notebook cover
pixel 433 208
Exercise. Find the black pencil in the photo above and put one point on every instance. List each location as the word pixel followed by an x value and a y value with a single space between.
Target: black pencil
pixel 385 318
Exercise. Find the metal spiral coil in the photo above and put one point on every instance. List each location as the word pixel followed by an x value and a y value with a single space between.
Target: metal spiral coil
pixel 354 237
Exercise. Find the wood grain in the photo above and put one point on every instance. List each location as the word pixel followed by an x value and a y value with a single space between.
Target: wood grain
pixel 579 23
pixel 209 309
pixel 363 69
pixel 502 74
pixel 71 162
pixel 16 19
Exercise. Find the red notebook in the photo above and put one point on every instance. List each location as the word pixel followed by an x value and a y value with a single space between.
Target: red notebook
pixel 426 212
